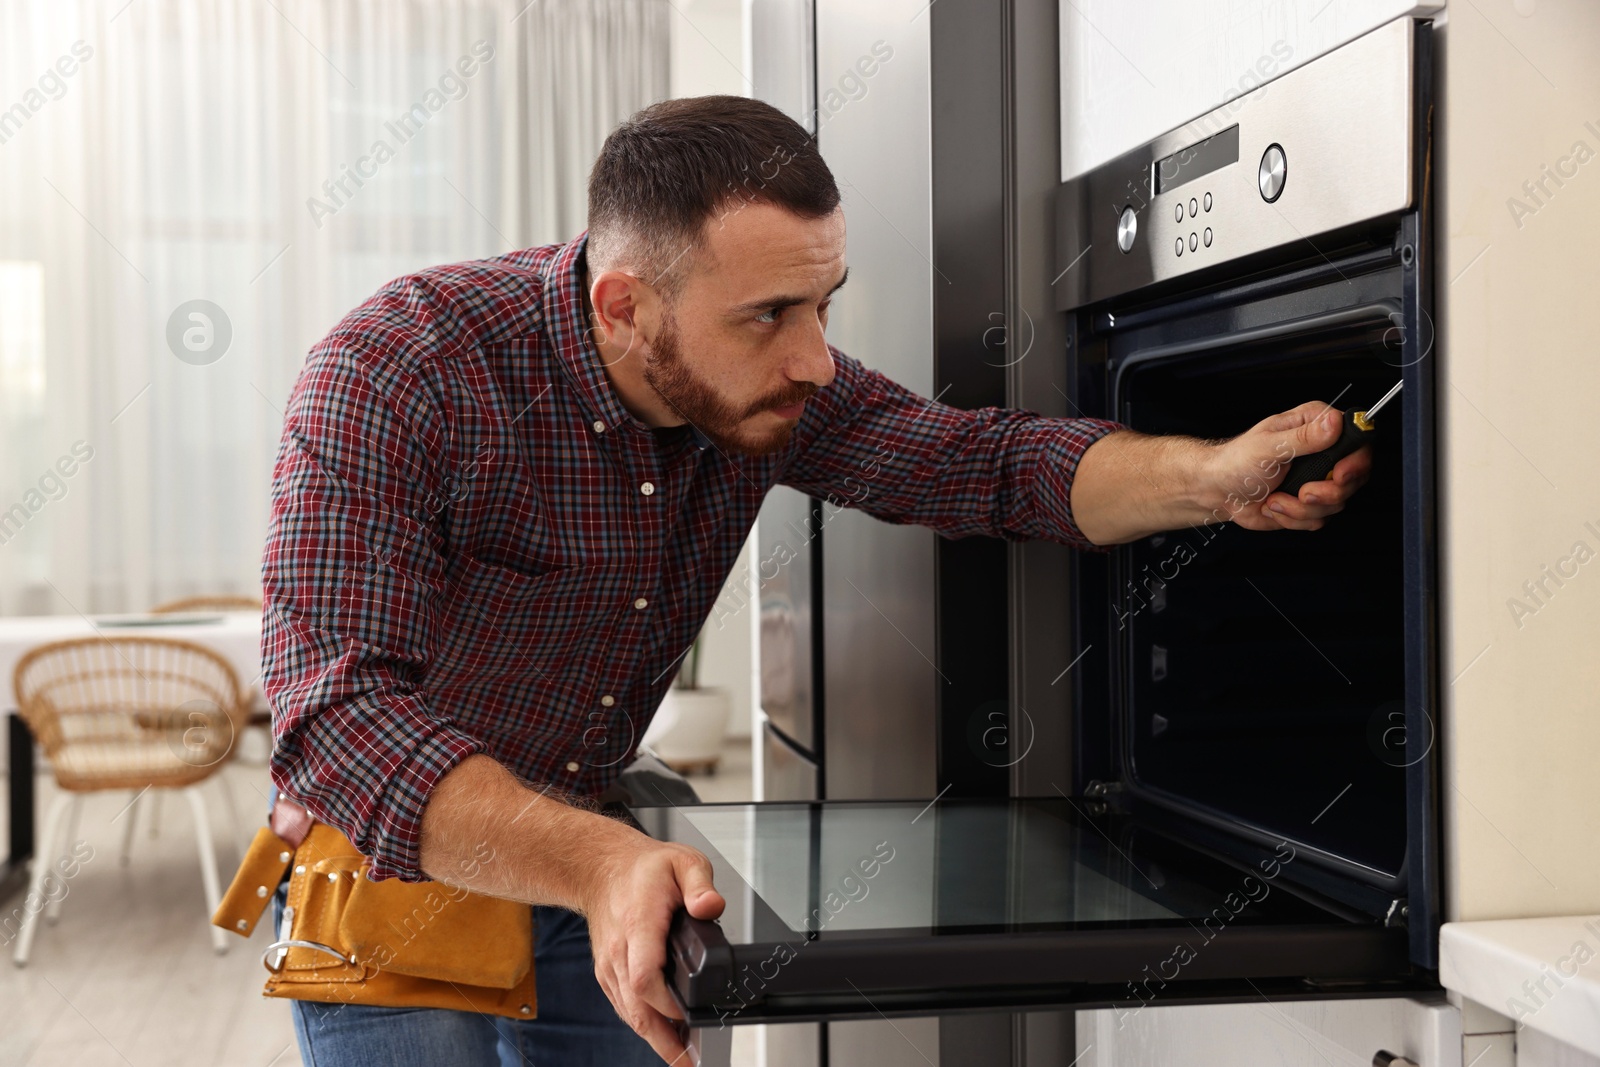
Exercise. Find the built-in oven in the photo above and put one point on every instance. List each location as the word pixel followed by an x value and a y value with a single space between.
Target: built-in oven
pixel 1272 688
pixel 1253 807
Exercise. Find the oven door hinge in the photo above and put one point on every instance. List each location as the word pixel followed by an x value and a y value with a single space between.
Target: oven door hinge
pixel 1097 789
pixel 1396 915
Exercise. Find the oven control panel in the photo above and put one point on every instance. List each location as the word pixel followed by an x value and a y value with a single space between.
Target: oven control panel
pixel 1199 233
pixel 1220 188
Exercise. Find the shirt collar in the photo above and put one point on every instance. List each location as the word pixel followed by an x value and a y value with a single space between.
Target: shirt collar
pixel 567 327
pixel 563 304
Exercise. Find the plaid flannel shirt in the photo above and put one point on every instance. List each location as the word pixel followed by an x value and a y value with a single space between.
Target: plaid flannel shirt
pixel 474 548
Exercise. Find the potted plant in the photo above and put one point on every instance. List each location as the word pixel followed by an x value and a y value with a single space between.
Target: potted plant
pixel 688 728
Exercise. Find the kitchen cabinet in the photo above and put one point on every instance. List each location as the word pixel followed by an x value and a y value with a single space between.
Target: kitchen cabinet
pixel 1276 1032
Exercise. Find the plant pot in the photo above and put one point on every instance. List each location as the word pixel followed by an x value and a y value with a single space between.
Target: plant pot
pixel 688 728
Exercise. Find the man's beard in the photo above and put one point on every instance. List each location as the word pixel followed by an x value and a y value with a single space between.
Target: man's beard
pixel 698 404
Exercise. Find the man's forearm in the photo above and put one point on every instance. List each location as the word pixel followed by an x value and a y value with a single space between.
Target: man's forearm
pixel 1129 485
pixel 486 831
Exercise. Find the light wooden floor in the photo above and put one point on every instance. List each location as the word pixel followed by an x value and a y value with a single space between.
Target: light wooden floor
pixel 128 975
pixel 731 781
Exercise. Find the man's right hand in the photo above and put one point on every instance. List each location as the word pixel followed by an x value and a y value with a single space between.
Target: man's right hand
pixel 639 885
pixel 486 831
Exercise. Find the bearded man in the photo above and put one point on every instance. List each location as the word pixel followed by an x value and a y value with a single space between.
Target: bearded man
pixel 510 490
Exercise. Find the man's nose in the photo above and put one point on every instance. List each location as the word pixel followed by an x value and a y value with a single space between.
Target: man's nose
pixel 813 362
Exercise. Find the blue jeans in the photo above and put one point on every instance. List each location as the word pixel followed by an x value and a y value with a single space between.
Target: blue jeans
pixel 576 1027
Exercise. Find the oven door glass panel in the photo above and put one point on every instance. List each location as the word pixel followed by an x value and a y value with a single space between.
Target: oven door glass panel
pixel 836 906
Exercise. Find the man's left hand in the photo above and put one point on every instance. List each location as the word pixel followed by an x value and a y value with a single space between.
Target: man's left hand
pixel 1250 467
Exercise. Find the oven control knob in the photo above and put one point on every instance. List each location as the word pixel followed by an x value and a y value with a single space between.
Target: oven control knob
pixel 1127 229
pixel 1274 172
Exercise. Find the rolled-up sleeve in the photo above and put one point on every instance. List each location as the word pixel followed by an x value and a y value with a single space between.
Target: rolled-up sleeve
pixel 870 443
pixel 353 574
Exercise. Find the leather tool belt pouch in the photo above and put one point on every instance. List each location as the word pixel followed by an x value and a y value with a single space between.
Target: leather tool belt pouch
pixel 346 939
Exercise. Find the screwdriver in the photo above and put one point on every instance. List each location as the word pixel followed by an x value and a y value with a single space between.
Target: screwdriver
pixel 1358 430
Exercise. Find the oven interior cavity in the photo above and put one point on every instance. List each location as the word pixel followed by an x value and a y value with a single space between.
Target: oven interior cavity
pixel 1263 673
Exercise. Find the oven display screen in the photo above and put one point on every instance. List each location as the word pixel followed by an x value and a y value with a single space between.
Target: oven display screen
pixel 1187 164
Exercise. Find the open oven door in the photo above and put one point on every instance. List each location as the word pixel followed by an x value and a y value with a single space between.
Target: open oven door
pixel 840 909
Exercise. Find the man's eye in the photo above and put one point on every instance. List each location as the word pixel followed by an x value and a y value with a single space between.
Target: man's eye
pixel 769 316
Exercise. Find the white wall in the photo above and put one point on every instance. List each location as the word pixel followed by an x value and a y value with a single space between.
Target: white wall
pixel 708 53
pixel 1514 291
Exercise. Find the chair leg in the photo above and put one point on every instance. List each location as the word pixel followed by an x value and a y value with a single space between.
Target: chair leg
pixel 208 866
pixel 44 855
pixel 52 911
pixel 132 815
pixel 236 835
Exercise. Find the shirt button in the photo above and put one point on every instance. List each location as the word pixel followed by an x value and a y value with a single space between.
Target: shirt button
pixel 647 488
pixel 608 700
pixel 599 427
pixel 573 767
pixel 641 603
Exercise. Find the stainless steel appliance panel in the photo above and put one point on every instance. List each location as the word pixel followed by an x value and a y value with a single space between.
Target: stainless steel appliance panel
pixel 878 580
pixel 789 774
pixel 1041 615
pixel 784 67
pixel 784 540
pixel 878 585
pixel 1324 147
pixel 783 53
pixel 794 1044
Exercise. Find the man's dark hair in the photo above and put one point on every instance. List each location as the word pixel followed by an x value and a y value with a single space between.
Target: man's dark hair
pixel 675 166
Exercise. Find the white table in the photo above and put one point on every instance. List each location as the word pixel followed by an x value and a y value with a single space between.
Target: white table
pixel 236 636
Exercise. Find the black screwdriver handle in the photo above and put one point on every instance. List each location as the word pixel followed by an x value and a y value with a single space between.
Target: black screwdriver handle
pixel 1316 466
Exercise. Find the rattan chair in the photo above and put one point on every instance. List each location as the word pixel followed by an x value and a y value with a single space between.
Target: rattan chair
pixel 260 716
pixel 125 712
pixel 209 603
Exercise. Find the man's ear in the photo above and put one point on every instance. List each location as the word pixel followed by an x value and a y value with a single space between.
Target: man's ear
pixel 618 298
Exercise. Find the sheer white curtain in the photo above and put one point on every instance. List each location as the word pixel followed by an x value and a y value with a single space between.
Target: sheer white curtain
pixel 277 161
